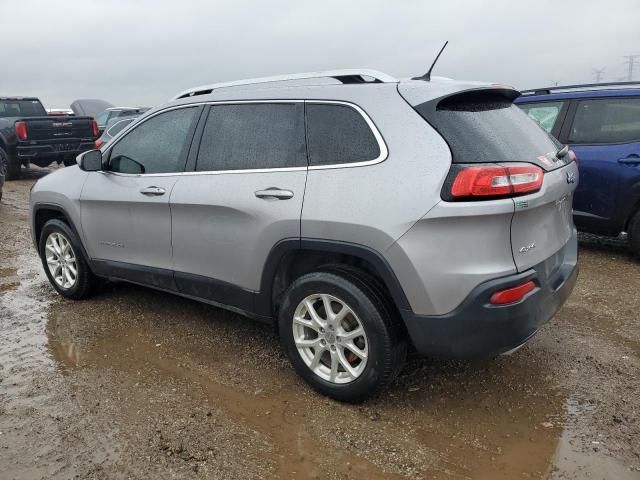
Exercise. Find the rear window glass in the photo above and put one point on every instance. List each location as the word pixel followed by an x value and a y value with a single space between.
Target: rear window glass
pixel 545 113
pixel 486 127
pixel 253 136
pixel 615 120
pixel 338 134
pixel 21 108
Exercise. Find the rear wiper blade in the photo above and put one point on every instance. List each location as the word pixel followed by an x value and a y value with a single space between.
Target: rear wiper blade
pixel 563 151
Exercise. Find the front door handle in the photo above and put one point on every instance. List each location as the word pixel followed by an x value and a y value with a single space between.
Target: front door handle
pixel 274 192
pixel 632 159
pixel 153 191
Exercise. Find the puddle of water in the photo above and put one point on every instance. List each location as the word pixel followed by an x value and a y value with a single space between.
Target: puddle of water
pixel 23 306
pixel 570 462
pixel 299 455
pixel 475 422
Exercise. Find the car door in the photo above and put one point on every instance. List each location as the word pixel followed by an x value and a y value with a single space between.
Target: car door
pixel 605 135
pixel 243 196
pixel 126 219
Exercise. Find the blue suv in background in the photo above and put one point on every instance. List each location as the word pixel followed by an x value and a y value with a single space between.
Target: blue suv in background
pixel 601 124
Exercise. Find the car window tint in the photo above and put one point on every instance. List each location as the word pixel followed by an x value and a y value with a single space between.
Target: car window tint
pixel 253 136
pixel 614 120
pixel 155 146
pixel 338 134
pixel 545 113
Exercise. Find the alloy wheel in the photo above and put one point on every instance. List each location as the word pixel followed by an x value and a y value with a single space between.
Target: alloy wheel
pixel 330 338
pixel 61 260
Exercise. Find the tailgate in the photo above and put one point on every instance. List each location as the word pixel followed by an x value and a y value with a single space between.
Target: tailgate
pixel 58 128
pixel 542 222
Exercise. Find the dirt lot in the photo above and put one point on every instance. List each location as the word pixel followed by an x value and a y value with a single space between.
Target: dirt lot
pixel 134 383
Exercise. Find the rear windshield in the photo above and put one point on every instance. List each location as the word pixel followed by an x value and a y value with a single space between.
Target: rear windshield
pixel 486 127
pixel 21 108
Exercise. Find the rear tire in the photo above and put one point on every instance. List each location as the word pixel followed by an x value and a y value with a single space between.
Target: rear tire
pixel 63 261
pixel 634 234
pixel 349 358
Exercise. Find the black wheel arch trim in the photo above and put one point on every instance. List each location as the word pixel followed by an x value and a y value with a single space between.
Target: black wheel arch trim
pixel 371 256
pixel 57 208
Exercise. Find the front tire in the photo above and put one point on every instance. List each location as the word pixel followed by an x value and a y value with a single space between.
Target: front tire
pixel 63 261
pixel 340 336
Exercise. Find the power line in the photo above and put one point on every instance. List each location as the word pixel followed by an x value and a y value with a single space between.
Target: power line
pixel 631 61
pixel 598 74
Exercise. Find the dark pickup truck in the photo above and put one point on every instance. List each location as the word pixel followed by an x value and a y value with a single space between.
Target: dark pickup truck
pixel 28 135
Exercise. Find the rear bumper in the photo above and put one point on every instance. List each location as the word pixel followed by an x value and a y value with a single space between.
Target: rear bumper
pixel 478 329
pixel 52 152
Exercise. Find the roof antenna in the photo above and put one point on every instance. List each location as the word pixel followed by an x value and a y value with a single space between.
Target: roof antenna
pixel 427 76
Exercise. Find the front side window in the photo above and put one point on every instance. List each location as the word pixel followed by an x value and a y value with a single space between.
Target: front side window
pixel 610 120
pixel 155 146
pixel 253 136
pixel 338 134
pixel 545 113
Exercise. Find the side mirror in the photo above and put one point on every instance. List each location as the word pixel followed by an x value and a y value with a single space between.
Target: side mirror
pixel 90 161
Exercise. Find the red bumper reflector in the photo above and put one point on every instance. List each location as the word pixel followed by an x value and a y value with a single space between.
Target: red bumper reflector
pixel 513 294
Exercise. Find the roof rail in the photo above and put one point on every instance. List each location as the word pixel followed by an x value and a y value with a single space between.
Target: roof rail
pixel 344 76
pixel 585 86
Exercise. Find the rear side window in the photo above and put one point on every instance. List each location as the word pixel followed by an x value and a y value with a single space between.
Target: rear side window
pixel 253 136
pixel 486 127
pixel 338 134
pixel 155 146
pixel 545 113
pixel 615 120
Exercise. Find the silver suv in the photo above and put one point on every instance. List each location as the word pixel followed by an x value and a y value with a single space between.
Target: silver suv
pixel 359 214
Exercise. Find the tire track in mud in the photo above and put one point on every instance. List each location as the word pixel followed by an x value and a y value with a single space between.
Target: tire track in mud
pixel 38 414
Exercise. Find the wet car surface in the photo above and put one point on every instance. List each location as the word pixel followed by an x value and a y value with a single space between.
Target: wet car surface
pixel 135 383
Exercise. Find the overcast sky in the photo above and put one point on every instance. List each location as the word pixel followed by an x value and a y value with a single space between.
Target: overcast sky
pixel 143 52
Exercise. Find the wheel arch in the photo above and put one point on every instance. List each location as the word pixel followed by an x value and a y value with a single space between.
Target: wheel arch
pixel 42 213
pixel 291 258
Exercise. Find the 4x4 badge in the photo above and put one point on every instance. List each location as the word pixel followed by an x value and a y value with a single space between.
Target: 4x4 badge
pixel 571 177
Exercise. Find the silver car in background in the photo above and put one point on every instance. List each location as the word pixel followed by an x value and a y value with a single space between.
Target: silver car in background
pixel 359 214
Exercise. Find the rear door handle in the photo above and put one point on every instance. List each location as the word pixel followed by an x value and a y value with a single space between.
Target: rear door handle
pixel 632 159
pixel 153 191
pixel 274 192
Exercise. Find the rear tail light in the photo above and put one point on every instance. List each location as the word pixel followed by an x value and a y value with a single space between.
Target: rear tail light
pixel 573 156
pixel 99 144
pixel 513 294
pixel 477 182
pixel 95 129
pixel 21 130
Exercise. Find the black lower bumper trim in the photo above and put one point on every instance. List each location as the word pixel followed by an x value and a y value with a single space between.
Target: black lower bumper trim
pixel 479 329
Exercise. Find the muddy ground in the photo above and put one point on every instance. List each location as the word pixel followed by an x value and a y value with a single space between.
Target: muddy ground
pixel 134 383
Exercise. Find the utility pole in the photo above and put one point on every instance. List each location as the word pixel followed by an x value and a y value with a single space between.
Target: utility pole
pixel 631 61
pixel 598 74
